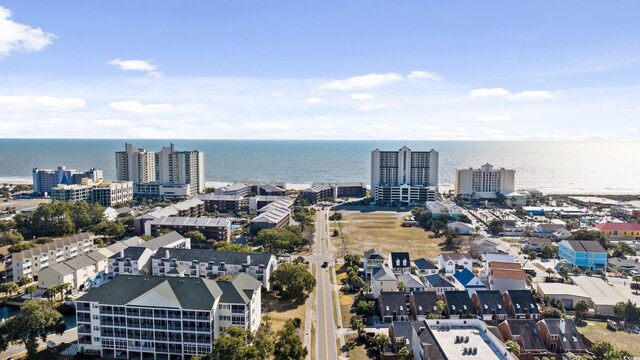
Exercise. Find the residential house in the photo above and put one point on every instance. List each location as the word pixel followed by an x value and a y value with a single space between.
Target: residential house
pixel 383 279
pixel 535 244
pixel 425 267
pixel 504 276
pixel 453 262
pixel 561 336
pixel 521 304
pixel 489 305
pixel 438 283
pixel 625 266
pixel 458 304
pixel 561 234
pixel 619 231
pixel 587 255
pixel 402 335
pixel 392 306
pixel 423 303
pixel 411 283
pixel 372 259
pixel 400 262
pixel 445 208
pixel 482 246
pixel 461 228
pixel 467 280
pixel 526 334
pixel 548 229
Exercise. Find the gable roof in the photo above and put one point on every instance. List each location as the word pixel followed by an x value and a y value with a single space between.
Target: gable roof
pixel 216 257
pixel 464 276
pixel 611 226
pixel 458 301
pixel 424 302
pixel 392 301
pixel 132 252
pixel 568 333
pixel 490 301
pixel 425 264
pixel 410 280
pixel 514 274
pixel 455 256
pixel 504 265
pixel 403 329
pixel 383 273
pixel 438 281
pixel 530 339
pixel 585 246
pixel 400 259
pixel 373 254
pixel 522 300
pixel 176 292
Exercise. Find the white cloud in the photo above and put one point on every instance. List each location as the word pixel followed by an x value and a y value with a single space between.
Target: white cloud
pixel 423 75
pixel 370 107
pixel 266 126
pixel 363 96
pixel 40 103
pixel 506 94
pixel 136 65
pixel 117 123
pixel 19 37
pixel 362 82
pixel 315 100
pixel 494 118
pixel 459 129
pixel 539 80
pixel 429 127
pixel 135 107
pixel 489 92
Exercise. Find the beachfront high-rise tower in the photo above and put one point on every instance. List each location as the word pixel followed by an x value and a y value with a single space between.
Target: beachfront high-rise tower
pixel 167 173
pixel 404 177
pixel 485 182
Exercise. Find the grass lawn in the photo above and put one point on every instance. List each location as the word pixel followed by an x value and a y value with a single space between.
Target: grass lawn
pixel 597 331
pixel 381 230
pixel 346 300
pixel 282 310
pixel 357 351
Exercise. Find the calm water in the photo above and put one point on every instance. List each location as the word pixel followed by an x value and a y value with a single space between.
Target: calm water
pixel 7 311
pixel 552 167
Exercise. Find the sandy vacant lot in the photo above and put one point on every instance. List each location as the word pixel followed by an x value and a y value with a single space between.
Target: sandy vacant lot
pixel 597 331
pixel 381 230
pixel 22 204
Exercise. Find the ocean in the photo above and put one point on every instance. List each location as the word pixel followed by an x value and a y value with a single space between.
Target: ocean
pixel 581 167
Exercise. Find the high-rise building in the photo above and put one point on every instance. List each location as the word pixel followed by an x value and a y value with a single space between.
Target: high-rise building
pixel 105 193
pixel 162 172
pixel 46 179
pixel 485 182
pixel 404 176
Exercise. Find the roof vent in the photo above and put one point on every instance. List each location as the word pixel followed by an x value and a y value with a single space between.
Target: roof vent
pixel 386 308
pixel 486 307
pixel 453 307
pixel 420 308
pixel 518 306
pixel 400 307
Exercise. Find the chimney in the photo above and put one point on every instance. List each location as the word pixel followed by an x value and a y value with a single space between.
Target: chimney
pixel 166 253
pixel 139 241
pixel 248 259
pixel 121 253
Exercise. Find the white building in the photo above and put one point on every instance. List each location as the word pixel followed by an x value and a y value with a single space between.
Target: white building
pixel 453 262
pixel 461 228
pixel 275 214
pixel 82 272
pixel 166 167
pixel 210 263
pixel 444 208
pixel 137 253
pixel 484 183
pixel 404 176
pixel 105 193
pixel 46 179
pixel 383 279
pixel 164 317
pixel 31 261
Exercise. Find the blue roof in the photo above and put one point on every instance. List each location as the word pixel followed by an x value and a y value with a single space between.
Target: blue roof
pixel 437 280
pixel 464 276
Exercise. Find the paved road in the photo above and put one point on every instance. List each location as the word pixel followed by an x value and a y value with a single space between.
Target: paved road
pixel 68 336
pixel 326 347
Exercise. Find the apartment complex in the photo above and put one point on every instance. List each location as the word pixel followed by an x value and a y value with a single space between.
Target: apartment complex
pixel 46 179
pixel 208 263
pixel 31 261
pixel 168 173
pixel 320 191
pixel 275 214
pixel 188 208
pixel 212 228
pixel 404 176
pixel 485 182
pixel 164 317
pixel 105 193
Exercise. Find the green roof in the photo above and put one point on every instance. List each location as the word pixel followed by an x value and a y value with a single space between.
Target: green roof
pixel 157 291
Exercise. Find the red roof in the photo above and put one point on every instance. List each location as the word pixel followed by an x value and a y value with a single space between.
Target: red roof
pixel 617 226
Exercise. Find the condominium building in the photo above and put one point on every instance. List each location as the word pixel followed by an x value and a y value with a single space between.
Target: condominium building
pixel 158 317
pixel 46 179
pixel 276 214
pixel 187 208
pixel 224 203
pixel 31 261
pixel 164 168
pixel 404 176
pixel 82 272
pixel 136 253
pixel 210 263
pixel 212 228
pixel 318 192
pixel 105 193
pixel 167 191
pixel 485 182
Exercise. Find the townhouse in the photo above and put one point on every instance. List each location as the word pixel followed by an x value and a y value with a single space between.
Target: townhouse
pixel 372 259
pixel 489 305
pixel 392 306
pixel 526 334
pixel 423 304
pixel 218 229
pixel 400 263
pixel 458 304
pixel 520 304
pixel 82 272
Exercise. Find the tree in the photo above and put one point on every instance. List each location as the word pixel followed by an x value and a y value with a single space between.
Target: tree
pixel 636 280
pixel 588 272
pixel 576 271
pixel 401 286
pixel 622 249
pixel 602 350
pixel 357 323
pixel 405 354
pixel 364 307
pixel 9 288
pixel 381 342
pixel 552 312
pixel 513 346
pixel 580 307
pixel 196 236
pixel 550 273
pixel 110 229
pixel 31 289
pixel 280 239
pixel 336 216
pixel 25 280
pixel 288 345
pixel 549 251
pixel 626 310
pixel 225 246
pixel 437 227
pixel 496 227
pixel 440 306
pixel 352 260
pixel 234 344
pixel 263 339
pixel 292 281
pixel 564 271
pixel 36 320
pixel 11 238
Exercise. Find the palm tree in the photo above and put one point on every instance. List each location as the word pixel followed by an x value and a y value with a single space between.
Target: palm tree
pixel 564 271
pixel 636 280
pixel 440 306
pixel 401 286
pixel 550 272
pixel 588 272
pixel 31 289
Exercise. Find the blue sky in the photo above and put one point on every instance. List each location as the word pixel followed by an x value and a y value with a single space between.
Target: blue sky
pixel 496 70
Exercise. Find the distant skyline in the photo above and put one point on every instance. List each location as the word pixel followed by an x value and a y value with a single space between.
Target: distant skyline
pixel 423 70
